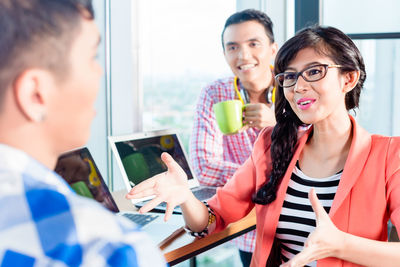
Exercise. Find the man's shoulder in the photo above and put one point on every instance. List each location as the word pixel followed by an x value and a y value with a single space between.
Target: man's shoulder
pixel 50 202
pixel 86 214
pixel 46 203
pixel 219 90
pixel 221 83
pixel 42 219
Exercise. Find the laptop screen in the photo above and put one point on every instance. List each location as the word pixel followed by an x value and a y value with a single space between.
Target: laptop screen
pixel 80 172
pixel 140 157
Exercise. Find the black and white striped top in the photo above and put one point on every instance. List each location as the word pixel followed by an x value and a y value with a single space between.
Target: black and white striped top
pixel 297 219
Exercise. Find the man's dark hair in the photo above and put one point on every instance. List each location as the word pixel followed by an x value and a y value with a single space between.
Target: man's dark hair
pixel 38 34
pixel 250 15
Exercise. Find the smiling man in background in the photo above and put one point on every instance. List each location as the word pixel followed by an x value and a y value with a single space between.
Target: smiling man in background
pixel 249 48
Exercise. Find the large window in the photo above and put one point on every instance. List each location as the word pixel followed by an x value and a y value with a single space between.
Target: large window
pixel 362 16
pixel 380 101
pixel 377 34
pixel 180 53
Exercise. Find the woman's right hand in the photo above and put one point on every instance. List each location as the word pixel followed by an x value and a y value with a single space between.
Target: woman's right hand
pixel 170 187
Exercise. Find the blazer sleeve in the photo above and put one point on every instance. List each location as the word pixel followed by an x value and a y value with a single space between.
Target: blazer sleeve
pixel 233 201
pixel 393 180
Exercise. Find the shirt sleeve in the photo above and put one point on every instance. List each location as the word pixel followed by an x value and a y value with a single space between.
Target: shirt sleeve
pixel 393 181
pixel 233 201
pixel 206 145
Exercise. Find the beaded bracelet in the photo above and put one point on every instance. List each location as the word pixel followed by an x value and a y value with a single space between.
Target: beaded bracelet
pixel 211 219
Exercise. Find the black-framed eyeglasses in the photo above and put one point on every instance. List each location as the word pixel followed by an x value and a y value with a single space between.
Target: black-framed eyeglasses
pixel 310 74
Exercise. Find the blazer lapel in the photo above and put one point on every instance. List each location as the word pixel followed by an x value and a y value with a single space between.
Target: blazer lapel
pixel 358 155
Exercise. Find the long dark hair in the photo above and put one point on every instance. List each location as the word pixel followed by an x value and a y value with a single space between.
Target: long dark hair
pixel 327 41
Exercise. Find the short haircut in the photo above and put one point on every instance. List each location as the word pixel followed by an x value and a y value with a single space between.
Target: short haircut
pixel 250 15
pixel 38 34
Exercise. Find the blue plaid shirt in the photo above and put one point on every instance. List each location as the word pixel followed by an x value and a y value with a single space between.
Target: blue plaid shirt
pixel 44 223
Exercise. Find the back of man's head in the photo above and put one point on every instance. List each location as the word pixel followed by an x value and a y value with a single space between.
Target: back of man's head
pixel 38 34
pixel 250 15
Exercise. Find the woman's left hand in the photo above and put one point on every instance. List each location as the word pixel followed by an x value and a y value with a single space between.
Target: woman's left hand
pixel 325 241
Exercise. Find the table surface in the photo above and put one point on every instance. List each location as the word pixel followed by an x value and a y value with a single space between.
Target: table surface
pixel 183 246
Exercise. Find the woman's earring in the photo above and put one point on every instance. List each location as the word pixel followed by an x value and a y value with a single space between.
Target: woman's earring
pixel 41 117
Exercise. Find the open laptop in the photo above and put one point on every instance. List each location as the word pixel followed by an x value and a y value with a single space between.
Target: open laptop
pixel 139 158
pixel 79 170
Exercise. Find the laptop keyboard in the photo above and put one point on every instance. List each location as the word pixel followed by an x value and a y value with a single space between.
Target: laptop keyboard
pixel 204 193
pixel 163 204
pixel 201 194
pixel 140 219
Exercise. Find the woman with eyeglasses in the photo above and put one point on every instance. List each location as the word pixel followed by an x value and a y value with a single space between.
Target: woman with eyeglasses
pixel 323 188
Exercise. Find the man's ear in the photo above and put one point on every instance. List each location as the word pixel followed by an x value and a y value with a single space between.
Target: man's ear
pixel 30 93
pixel 274 47
pixel 350 80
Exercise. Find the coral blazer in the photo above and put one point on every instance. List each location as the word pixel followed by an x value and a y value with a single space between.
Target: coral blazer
pixel 368 194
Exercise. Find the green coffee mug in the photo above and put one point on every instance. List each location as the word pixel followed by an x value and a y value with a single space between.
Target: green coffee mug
pixel 229 116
